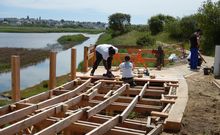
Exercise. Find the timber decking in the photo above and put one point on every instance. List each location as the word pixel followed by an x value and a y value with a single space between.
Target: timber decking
pixel 88 105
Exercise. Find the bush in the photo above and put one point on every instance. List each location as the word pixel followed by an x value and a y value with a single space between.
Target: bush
pixel 145 41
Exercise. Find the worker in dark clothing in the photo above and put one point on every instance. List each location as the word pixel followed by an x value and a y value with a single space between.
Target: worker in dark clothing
pixel 194 47
pixel 104 52
pixel 160 58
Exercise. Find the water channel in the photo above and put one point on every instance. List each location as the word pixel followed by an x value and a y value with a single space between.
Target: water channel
pixel 34 74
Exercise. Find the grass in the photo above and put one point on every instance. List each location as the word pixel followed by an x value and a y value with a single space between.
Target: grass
pixel 70 40
pixel 27 57
pixel 34 29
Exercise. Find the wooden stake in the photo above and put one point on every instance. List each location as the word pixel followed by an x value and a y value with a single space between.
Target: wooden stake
pixel 85 66
pixel 73 63
pixel 15 64
pixel 52 80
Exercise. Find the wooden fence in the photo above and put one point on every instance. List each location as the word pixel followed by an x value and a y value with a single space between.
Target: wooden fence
pixel 138 56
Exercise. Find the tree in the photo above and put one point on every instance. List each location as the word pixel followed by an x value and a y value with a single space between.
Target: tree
pixel 156 23
pixel 119 23
pixel 188 25
pixel 209 21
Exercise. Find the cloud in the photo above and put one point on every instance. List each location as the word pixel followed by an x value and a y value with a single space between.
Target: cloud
pixel 136 7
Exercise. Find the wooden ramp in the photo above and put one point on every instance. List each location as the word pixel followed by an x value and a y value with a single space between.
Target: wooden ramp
pixel 92 106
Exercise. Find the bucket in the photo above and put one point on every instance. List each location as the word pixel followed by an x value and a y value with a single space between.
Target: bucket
pixel 207 71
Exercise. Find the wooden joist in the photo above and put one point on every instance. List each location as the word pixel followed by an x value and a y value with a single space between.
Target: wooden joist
pixel 105 127
pixel 141 94
pixel 128 109
pixel 106 102
pixel 116 106
pixel 57 127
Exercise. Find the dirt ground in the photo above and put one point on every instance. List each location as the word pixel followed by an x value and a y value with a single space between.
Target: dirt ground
pixel 202 113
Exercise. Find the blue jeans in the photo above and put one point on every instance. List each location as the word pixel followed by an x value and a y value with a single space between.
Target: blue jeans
pixel 194 58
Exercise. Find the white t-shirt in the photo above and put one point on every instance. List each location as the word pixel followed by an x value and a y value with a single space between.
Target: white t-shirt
pixel 126 68
pixel 103 50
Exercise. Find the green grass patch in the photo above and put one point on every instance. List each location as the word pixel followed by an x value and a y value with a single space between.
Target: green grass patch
pixel 69 41
pixel 5 102
pixel 35 29
pixel 27 57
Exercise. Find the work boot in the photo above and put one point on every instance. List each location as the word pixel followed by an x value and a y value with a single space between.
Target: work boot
pixel 92 73
pixel 109 74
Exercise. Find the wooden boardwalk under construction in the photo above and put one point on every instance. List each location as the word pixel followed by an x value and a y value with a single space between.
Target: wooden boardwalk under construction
pixel 95 106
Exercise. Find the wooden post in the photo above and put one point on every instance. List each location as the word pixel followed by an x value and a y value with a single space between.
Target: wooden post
pixel 15 65
pixel 85 67
pixel 52 78
pixel 73 63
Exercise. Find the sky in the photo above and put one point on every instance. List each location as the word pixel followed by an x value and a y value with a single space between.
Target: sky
pixel 97 10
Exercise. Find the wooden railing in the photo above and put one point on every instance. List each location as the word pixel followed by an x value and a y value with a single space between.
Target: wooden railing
pixel 137 56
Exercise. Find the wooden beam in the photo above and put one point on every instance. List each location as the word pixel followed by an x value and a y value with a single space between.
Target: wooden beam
pixel 10 117
pixel 125 99
pixel 143 91
pixel 52 76
pixel 62 124
pixel 106 102
pixel 88 126
pixel 164 110
pixel 73 63
pixel 13 116
pixel 105 127
pixel 15 75
pixel 172 101
pixel 121 106
pixel 86 61
pixel 128 109
pixel 127 123
pixel 159 114
pixel 25 123
pixel 64 96
pixel 157 130
pixel 90 95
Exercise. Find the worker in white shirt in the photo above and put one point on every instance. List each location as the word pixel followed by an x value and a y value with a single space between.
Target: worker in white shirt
pixel 127 73
pixel 104 52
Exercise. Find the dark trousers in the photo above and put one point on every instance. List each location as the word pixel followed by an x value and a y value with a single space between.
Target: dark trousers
pixel 194 58
pixel 107 64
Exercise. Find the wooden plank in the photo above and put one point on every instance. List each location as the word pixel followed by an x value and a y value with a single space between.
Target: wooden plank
pixel 172 101
pixel 125 99
pixel 90 95
pixel 128 109
pixel 86 127
pixel 64 96
pixel 62 124
pixel 121 106
pixel 103 128
pixel 127 124
pixel 106 102
pixel 157 130
pixel 59 92
pixel 107 95
pixel 173 122
pixel 10 117
pixel 143 91
pixel 159 114
pixel 16 127
pixel 164 110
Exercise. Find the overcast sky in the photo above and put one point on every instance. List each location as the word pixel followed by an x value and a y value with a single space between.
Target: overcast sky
pixel 97 10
